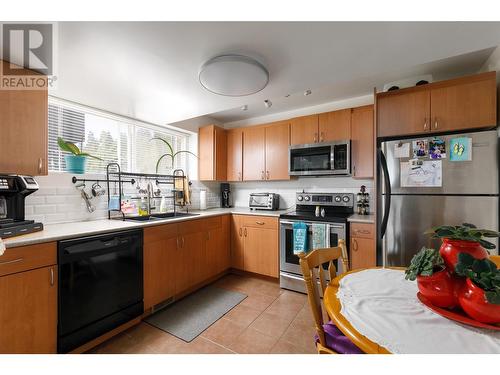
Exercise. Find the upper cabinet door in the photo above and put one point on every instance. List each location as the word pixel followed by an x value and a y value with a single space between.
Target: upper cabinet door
pixel 335 126
pixel 277 142
pixel 467 105
pixel 235 155
pixel 23 139
pixel 304 130
pixel 254 153
pixel 362 142
pixel 403 113
pixel 212 155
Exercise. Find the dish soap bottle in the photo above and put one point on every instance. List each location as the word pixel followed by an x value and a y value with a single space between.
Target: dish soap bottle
pixel 163 204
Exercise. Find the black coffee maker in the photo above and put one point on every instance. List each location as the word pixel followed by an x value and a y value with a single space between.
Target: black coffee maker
pixel 13 191
pixel 225 194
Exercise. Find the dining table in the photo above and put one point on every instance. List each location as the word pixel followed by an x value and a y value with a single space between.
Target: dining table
pixel 379 311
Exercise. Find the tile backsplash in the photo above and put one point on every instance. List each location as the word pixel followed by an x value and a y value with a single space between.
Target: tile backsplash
pixel 59 201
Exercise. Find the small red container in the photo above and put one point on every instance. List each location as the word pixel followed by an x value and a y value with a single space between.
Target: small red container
pixel 441 288
pixel 450 249
pixel 473 301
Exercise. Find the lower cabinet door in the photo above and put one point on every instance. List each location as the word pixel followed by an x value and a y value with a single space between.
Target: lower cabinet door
pixel 363 253
pixel 191 268
pixel 28 311
pixel 261 251
pixel 237 242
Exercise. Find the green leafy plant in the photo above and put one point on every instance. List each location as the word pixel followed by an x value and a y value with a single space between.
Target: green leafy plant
pixel 483 272
pixel 73 149
pixel 170 152
pixel 464 232
pixel 424 263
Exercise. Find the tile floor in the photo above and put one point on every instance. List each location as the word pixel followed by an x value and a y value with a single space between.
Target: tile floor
pixel 269 320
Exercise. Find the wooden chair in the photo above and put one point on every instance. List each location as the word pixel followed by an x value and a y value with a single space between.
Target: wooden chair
pixel 495 259
pixel 312 270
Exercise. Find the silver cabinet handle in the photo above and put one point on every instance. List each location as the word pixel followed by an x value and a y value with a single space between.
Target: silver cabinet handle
pixel 315 137
pixel 51 276
pixel 436 123
pixel 355 245
pixel 259 222
pixel 183 242
pixel 354 170
pixel 40 165
pixel 241 232
pixel 245 232
pixel 322 136
pixel 12 261
pixel 267 175
pixel 262 175
pixel 425 123
pixel 177 240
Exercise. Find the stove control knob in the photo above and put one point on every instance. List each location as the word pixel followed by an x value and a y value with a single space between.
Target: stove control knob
pixel 337 198
pixel 300 198
pixel 345 198
pixel 307 198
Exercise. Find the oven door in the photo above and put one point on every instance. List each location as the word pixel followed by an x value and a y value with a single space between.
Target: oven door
pixel 289 262
pixel 314 159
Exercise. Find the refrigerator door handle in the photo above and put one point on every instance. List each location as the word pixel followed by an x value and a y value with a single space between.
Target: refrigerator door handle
pixel 387 200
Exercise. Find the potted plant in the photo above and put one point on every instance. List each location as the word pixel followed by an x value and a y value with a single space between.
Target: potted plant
pixel 480 296
pixel 434 281
pixel 75 161
pixel 465 238
pixel 171 154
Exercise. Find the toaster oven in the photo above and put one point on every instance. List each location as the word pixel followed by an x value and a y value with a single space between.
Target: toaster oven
pixel 264 201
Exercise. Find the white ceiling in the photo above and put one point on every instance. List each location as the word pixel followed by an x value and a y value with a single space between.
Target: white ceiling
pixel 149 70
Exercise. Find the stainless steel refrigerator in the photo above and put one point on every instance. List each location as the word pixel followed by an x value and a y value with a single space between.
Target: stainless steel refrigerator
pixel 466 192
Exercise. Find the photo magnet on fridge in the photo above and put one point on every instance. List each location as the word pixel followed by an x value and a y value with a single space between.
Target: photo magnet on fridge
pixel 420 148
pixel 437 149
pixel 402 150
pixel 461 149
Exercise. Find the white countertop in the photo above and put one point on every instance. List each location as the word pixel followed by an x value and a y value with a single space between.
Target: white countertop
pixel 368 219
pixel 56 232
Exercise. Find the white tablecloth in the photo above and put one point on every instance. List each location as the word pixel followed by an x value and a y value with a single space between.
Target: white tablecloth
pixel 383 306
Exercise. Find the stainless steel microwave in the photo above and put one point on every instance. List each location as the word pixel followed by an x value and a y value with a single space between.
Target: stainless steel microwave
pixel 319 159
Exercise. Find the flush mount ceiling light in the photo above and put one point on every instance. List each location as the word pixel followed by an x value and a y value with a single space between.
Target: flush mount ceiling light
pixel 233 75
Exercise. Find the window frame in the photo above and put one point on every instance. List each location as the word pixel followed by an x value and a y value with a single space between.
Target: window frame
pixel 133 125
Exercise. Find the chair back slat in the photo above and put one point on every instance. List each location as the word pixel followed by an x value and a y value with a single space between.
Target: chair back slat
pixel 313 272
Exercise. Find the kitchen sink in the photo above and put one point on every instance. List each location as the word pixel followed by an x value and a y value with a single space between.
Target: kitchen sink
pixel 155 217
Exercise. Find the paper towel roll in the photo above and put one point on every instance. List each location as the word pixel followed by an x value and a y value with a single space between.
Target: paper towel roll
pixel 203 199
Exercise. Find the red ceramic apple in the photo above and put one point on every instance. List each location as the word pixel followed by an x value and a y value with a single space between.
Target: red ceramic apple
pixel 473 301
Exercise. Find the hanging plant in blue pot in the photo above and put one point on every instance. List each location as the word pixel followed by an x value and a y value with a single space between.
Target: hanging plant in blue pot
pixel 76 160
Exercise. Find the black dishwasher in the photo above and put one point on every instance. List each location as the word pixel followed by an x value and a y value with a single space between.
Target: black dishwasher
pixel 100 285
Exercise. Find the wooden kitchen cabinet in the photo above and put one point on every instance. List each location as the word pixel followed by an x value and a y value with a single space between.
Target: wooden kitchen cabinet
pixel 160 250
pixel 254 153
pixel 304 130
pixel 28 312
pixel 469 105
pixel 335 126
pixel 403 114
pixel 212 153
pixel 362 142
pixel 363 245
pixel 454 105
pixel 276 144
pixel 191 268
pixel 237 242
pixel 24 129
pixel 217 249
pixel 235 155
pixel 254 244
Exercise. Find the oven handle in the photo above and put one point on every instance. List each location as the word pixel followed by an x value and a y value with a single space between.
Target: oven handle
pixel 338 226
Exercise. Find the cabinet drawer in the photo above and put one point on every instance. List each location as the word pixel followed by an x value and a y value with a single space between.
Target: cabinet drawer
pixel 260 222
pixel 362 230
pixel 213 222
pixel 25 258
pixel 160 232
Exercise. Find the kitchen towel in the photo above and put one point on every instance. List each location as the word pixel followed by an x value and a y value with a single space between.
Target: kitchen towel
pixel 182 185
pixel 299 237
pixel 318 236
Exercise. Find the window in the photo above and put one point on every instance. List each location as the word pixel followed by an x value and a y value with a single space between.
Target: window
pixel 112 138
